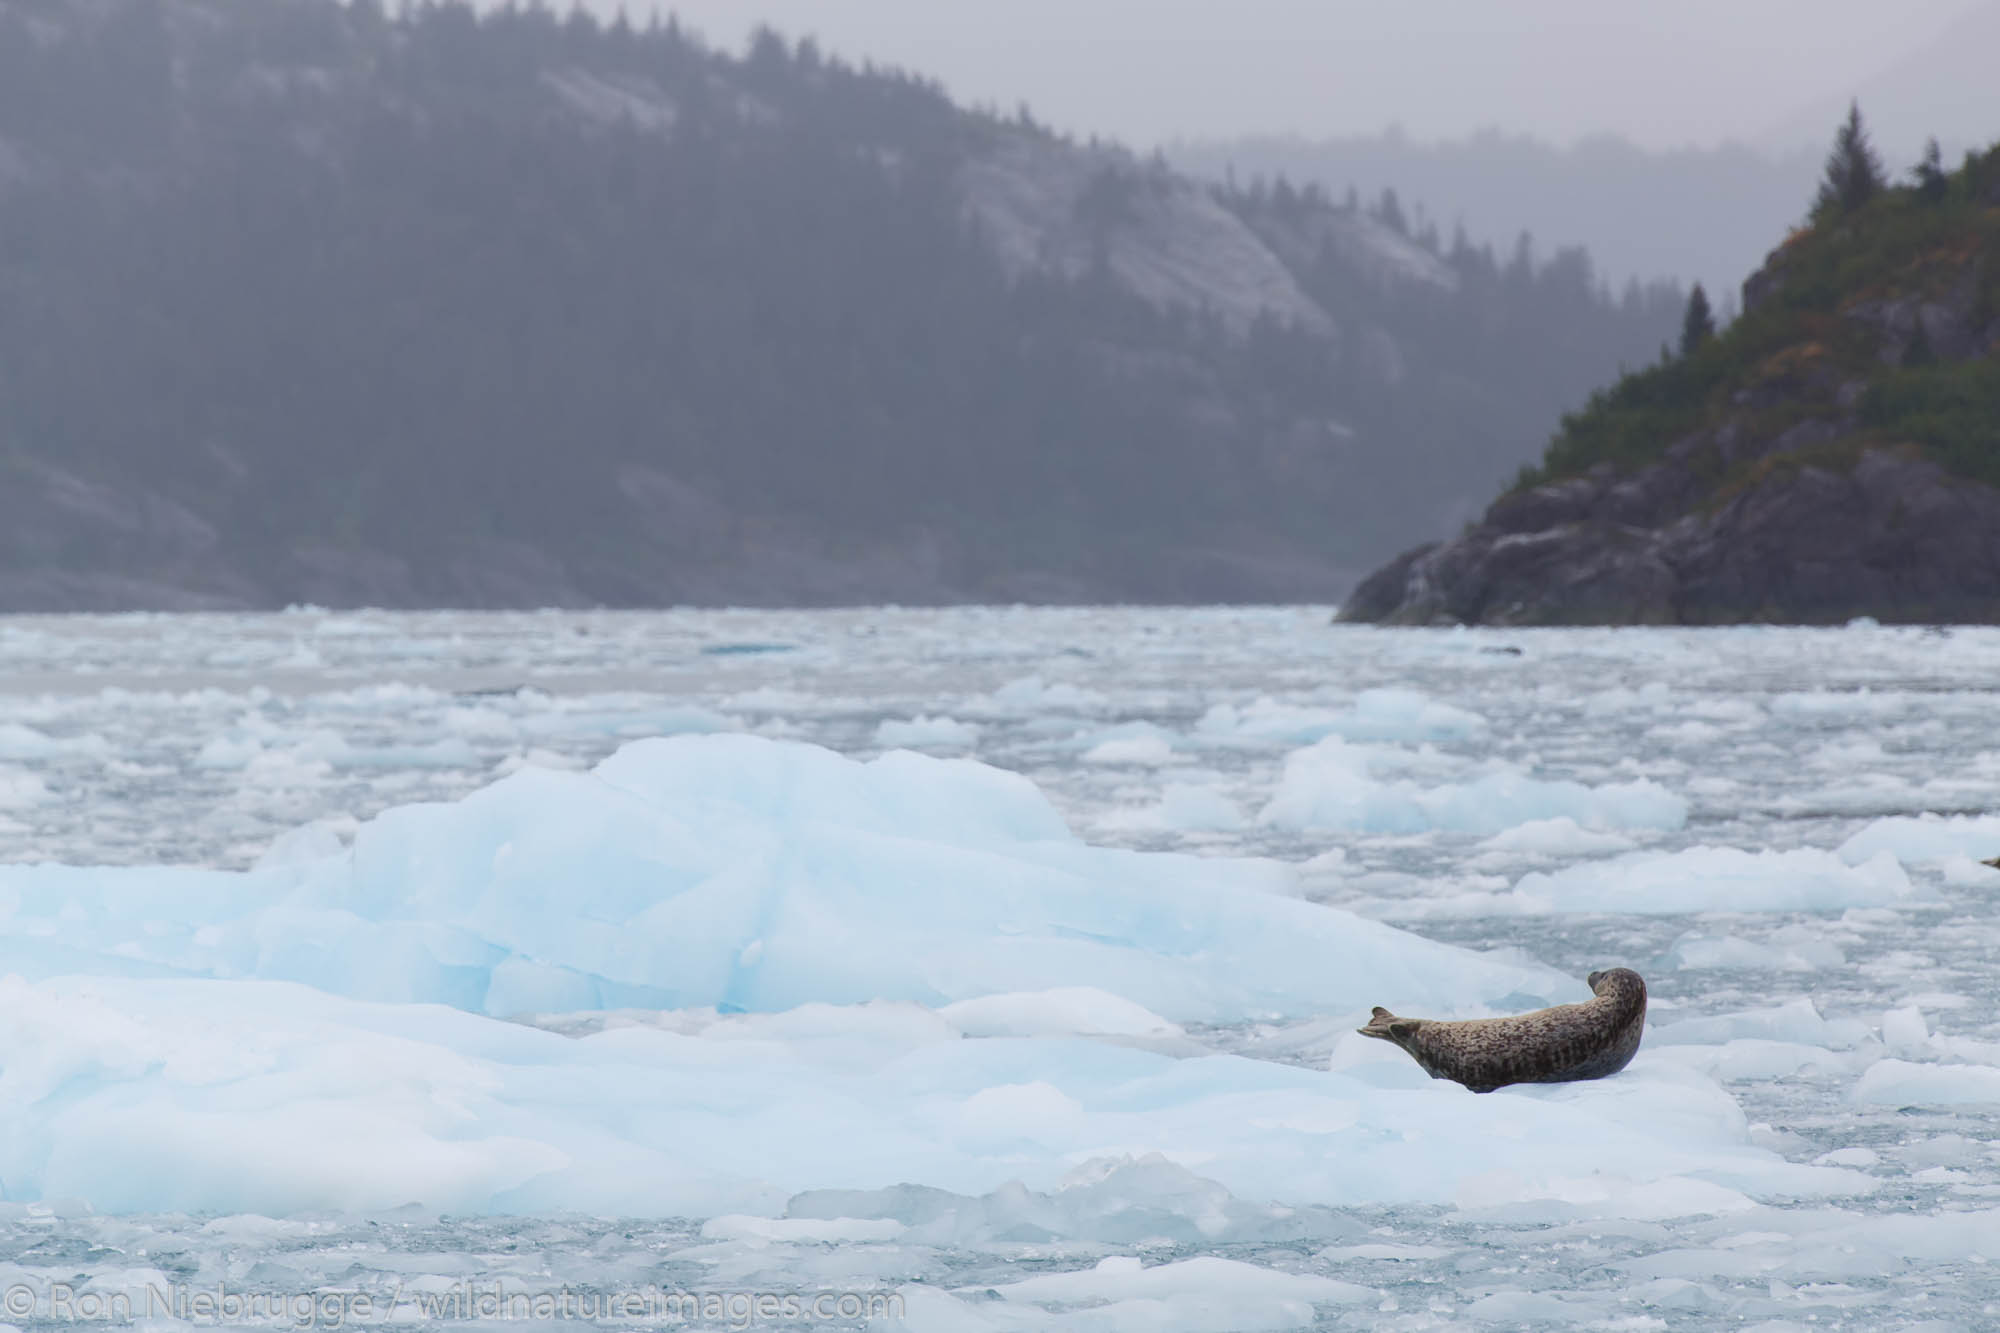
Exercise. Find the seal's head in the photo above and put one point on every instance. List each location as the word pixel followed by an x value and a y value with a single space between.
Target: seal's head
pixel 1619 981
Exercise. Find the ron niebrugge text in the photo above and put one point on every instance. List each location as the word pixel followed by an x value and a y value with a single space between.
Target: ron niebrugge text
pixel 219 1303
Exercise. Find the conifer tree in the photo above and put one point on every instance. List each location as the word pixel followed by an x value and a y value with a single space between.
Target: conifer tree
pixel 1390 213
pixel 1932 183
pixel 1698 324
pixel 1853 171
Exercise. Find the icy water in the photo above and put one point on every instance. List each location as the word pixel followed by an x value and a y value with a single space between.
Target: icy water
pixel 1735 813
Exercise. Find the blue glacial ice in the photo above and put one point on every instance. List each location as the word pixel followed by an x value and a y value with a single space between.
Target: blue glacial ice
pixel 746 874
pixel 810 972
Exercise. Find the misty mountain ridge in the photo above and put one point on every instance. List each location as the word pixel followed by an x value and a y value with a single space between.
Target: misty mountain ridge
pixel 300 302
pixel 1693 215
pixel 1944 89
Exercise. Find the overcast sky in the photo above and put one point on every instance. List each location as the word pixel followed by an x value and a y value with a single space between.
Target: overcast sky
pixel 1662 74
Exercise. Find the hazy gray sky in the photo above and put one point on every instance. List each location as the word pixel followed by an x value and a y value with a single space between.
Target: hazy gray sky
pixel 1662 74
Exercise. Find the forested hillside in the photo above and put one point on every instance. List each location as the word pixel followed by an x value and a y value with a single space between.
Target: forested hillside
pixel 1833 453
pixel 302 301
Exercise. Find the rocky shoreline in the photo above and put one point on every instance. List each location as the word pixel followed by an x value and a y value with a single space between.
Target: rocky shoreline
pixel 1895 537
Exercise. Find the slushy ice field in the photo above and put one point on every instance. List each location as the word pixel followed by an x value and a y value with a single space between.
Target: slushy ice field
pixel 991 969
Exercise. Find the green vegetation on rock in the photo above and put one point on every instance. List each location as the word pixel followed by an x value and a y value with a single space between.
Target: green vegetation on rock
pixel 1952 411
pixel 1881 318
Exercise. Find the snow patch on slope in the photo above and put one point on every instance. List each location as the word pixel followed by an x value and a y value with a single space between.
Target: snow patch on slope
pixel 1166 238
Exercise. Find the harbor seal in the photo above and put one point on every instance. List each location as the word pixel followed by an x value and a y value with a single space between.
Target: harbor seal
pixel 1594 1039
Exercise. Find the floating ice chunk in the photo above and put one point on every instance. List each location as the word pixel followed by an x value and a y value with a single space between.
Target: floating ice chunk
pixel 1141 751
pixel 1714 879
pixel 1331 786
pixel 622 716
pixel 1331 863
pixel 741 873
pixel 22 791
pixel 1863 702
pixel 1183 807
pixel 1926 838
pixel 771 699
pixel 321 840
pixel 800 1230
pixel 1193 1295
pixel 328 749
pixel 1849 755
pixel 1850 1247
pixel 1561 836
pixel 1905 1033
pixel 1733 710
pixel 1966 1050
pixel 1693 733
pixel 1390 1253
pixel 162 1095
pixel 536 758
pixel 1533 1308
pixel 1264 721
pixel 1193 808
pixel 1113 1201
pixel 1375 715
pixel 1695 951
pixel 927 733
pixel 1406 715
pixel 1120 1278
pixel 1505 1196
pixel 1794 1021
pixel 928 1310
pixel 1075 1010
pixel 1652 697
pixel 1964 872
pixel 484 724
pixel 1747 1059
pixel 20 742
pixel 1901 1083
pixel 1029 695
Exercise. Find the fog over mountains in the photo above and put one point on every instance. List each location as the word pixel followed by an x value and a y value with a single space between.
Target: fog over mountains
pixel 1704 215
pixel 304 302
pixel 1697 73
pixel 1672 141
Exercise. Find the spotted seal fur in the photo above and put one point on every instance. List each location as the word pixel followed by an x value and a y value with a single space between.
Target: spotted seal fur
pixel 1594 1039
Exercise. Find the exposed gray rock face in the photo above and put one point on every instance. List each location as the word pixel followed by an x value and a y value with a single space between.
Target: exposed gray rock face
pixel 71 544
pixel 1948 322
pixel 1895 537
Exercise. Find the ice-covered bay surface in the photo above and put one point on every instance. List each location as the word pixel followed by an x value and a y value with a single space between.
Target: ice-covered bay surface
pixel 1062 1049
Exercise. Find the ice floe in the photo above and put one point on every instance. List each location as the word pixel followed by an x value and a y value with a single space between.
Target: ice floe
pixel 1699 879
pixel 1336 785
pixel 740 872
pixel 276 1098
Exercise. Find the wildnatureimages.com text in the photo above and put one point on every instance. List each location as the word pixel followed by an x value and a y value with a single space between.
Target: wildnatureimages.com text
pixel 62 1302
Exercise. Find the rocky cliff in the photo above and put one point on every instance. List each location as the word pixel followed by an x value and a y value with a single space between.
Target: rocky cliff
pixel 1834 454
